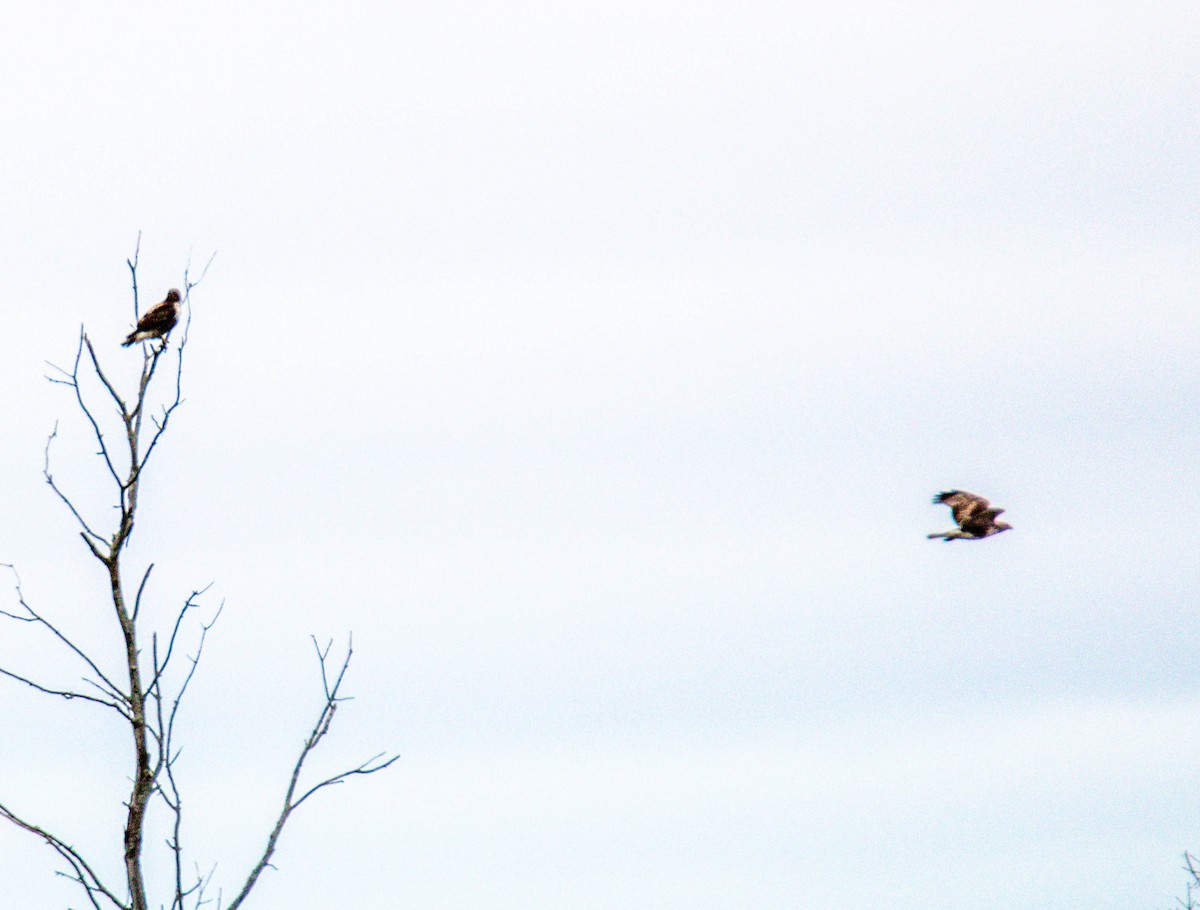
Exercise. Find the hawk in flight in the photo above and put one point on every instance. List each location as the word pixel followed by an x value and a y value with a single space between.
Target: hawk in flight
pixel 974 514
pixel 156 321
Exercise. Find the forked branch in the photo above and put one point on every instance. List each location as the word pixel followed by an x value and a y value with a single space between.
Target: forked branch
pixel 83 872
pixel 114 697
pixel 290 801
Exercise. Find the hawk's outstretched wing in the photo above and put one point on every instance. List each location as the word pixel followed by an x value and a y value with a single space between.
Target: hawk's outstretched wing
pixel 966 506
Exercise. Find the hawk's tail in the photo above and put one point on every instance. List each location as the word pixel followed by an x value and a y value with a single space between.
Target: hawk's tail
pixel 947 535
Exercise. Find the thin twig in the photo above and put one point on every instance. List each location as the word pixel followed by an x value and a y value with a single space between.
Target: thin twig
pixel 190 603
pixel 133 264
pixel 87 412
pixel 137 601
pixel 89 534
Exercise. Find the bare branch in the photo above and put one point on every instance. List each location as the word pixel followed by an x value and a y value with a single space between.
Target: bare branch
pixel 161 668
pixel 320 728
pixel 198 888
pixel 195 662
pixel 137 601
pixel 118 697
pixel 83 871
pixel 63 693
pixel 367 767
pixel 112 390
pixel 133 264
pixel 33 616
pixel 172 799
pixel 103 557
pixel 188 284
pixel 1189 902
pixel 87 412
pixel 89 534
pixel 70 377
pixel 163 732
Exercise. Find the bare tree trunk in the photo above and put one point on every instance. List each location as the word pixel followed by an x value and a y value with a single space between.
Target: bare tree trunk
pixel 143 778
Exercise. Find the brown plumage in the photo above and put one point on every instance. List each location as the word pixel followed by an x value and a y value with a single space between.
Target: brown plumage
pixel 156 321
pixel 975 516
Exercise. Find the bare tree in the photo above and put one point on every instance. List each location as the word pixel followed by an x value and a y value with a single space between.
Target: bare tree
pixel 145 697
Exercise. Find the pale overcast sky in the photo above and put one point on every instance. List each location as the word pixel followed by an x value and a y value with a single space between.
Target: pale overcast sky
pixel 595 366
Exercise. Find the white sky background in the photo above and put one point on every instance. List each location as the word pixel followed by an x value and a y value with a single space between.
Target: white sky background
pixel 595 366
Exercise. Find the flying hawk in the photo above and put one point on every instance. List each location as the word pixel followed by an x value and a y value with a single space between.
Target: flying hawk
pixel 156 321
pixel 976 519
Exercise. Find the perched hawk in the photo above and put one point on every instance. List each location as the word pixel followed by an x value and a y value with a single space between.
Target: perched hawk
pixel 156 321
pixel 976 519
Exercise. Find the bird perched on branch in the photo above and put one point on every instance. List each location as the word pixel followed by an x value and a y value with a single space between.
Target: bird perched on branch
pixel 156 321
pixel 974 514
